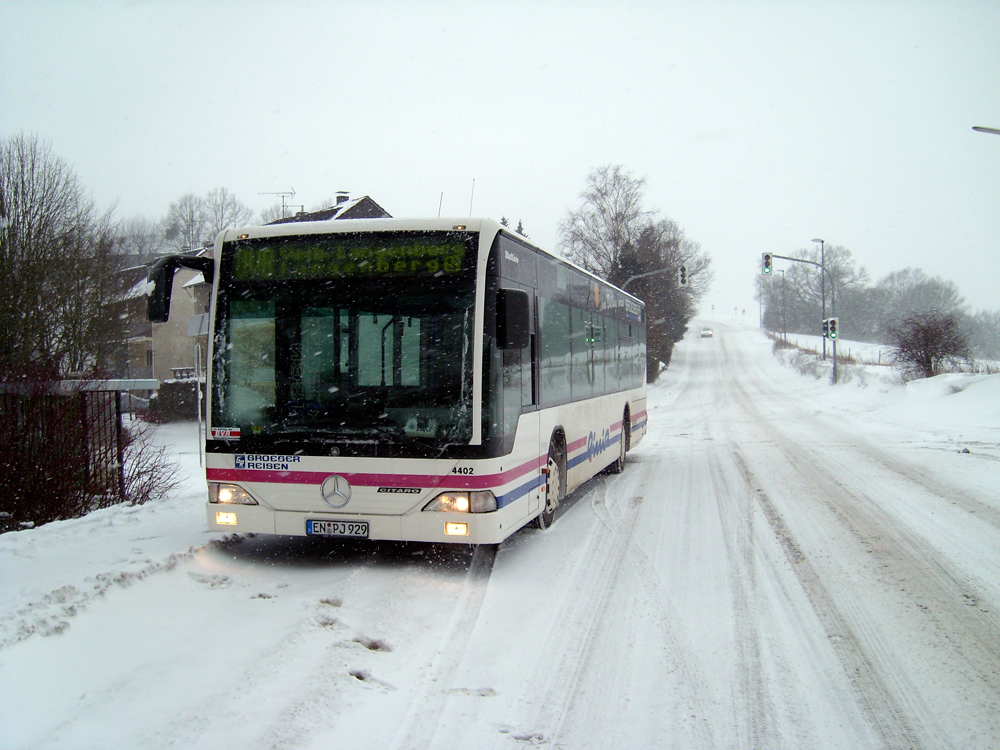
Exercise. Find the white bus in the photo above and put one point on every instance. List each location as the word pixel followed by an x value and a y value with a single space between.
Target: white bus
pixel 431 380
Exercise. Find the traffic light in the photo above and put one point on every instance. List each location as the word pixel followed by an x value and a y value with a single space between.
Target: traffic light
pixel 833 323
pixel 767 264
pixel 826 327
pixel 682 276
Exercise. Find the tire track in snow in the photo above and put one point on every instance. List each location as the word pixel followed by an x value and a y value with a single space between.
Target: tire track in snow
pixel 884 693
pixel 948 620
pixel 312 676
pixel 845 486
pixel 603 554
pixel 953 613
pixel 692 678
pixel 418 727
pixel 882 690
pixel 610 552
pixel 753 707
pixel 752 701
pixel 861 654
pixel 630 492
pixel 297 672
pixel 911 475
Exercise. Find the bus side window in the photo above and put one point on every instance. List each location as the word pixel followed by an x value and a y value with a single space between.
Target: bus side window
pixel 554 351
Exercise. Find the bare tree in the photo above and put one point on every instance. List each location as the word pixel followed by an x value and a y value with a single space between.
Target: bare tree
pixel 610 220
pixel 905 293
pixel 149 472
pixel 187 222
pixel 225 211
pixel 139 237
pixel 193 221
pixel 58 266
pixel 271 213
pixel 984 337
pixel 925 342
pixel 59 283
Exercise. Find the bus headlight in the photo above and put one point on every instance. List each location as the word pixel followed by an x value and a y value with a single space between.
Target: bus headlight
pixel 229 494
pixel 477 501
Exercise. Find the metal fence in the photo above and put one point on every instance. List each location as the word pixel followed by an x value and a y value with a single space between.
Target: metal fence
pixel 62 449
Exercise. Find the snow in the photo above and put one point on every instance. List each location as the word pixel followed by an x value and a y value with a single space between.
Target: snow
pixel 783 564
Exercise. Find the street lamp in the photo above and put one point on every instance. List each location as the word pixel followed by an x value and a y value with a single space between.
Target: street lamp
pixel 822 283
pixel 980 129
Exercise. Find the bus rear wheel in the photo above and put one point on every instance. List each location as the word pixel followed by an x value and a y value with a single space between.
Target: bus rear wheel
pixel 555 485
pixel 619 465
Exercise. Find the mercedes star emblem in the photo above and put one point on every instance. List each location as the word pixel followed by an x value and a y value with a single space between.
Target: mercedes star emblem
pixel 336 491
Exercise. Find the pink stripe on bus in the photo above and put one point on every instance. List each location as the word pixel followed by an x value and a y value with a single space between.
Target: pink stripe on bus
pixel 425 481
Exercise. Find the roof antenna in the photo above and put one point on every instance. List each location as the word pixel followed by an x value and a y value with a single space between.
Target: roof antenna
pixel 439 204
pixel 472 197
pixel 284 194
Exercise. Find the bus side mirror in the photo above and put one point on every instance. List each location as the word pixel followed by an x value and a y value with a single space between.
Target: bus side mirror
pixel 160 282
pixel 513 319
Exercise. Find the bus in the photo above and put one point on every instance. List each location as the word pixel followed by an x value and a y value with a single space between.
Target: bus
pixel 432 380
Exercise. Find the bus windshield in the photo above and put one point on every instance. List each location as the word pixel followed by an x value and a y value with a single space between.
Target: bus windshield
pixel 376 353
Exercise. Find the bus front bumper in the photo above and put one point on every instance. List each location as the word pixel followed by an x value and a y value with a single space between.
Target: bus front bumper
pixel 456 528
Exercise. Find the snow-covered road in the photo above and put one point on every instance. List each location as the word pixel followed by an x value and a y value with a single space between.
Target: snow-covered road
pixel 783 564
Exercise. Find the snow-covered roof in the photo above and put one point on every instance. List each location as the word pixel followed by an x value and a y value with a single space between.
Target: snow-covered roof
pixel 357 208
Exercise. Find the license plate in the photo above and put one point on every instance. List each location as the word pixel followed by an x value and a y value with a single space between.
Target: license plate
pixel 357 529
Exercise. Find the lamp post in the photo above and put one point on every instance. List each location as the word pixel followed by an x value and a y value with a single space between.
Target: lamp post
pixel 980 129
pixel 822 283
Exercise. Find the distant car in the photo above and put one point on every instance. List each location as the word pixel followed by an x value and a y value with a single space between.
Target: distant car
pixel 707 333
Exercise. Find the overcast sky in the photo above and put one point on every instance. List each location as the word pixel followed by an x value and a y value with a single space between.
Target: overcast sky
pixel 758 125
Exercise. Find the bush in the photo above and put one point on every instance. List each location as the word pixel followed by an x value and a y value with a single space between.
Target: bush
pixel 149 472
pixel 927 342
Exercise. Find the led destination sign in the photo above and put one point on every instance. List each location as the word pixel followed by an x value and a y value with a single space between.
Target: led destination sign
pixel 351 256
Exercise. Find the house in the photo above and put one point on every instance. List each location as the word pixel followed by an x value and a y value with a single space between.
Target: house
pixel 345 208
pixel 165 351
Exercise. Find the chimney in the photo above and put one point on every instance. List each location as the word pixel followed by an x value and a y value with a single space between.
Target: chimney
pixel 342 197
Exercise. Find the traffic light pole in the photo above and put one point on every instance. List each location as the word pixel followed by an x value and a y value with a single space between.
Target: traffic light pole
pixel 823 269
pixel 834 362
pixel 682 279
